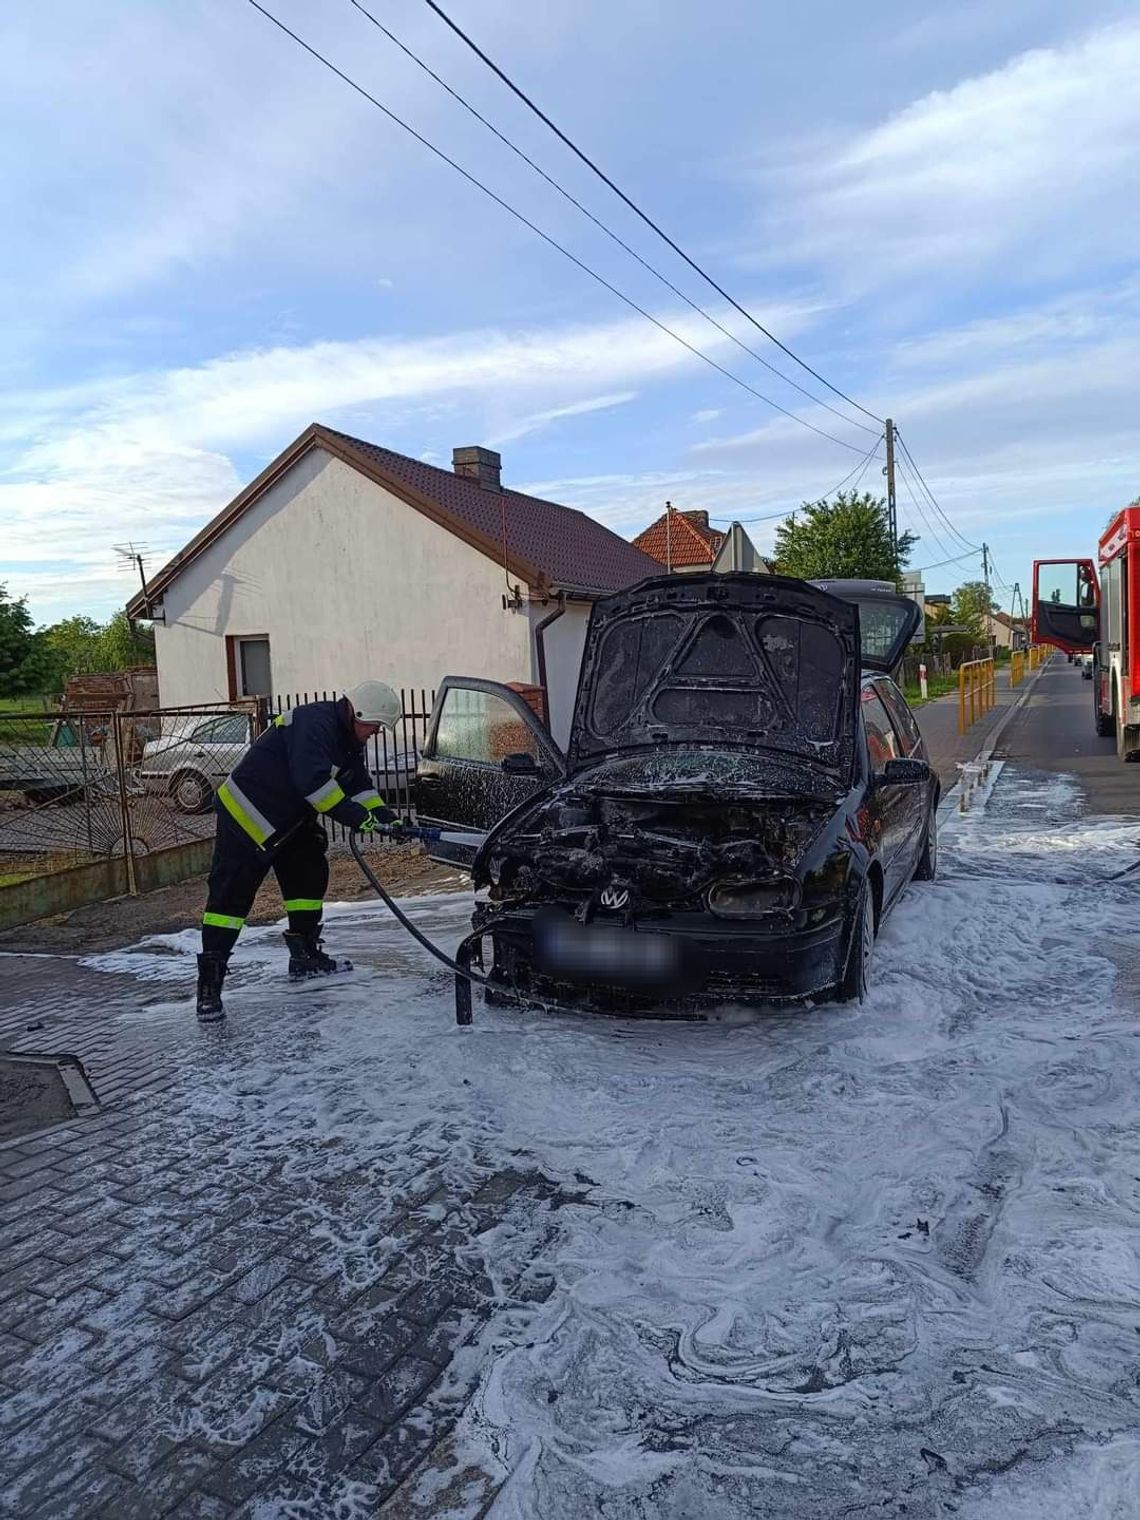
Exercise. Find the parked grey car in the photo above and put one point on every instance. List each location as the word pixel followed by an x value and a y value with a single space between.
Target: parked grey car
pixel 191 763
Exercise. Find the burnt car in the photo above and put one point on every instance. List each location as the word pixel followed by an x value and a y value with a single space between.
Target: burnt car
pixel 744 795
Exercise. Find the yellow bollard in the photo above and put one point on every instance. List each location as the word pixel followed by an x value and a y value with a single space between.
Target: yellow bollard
pixel 977 691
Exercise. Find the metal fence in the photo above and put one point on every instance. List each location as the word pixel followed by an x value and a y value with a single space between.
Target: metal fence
pixel 392 757
pixel 135 790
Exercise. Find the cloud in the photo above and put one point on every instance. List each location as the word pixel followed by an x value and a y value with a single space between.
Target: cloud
pixel 538 420
pixel 149 455
pixel 1032 156
pixel 707 414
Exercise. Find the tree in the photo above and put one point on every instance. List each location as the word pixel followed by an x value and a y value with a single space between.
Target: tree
pixel 848 536
pixel 73 644
pixel 123 643
pixel 973 602
pixel 80 646
pixel 25 666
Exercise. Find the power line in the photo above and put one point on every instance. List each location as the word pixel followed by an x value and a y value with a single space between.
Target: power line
pixel 545 236
pixel 597 221
pixel 961 537
pixel 921 510
pixel 940 563
pixel 999 579
pixel 649 222
pixel 861 467
pixel 748 521
pixel 934 502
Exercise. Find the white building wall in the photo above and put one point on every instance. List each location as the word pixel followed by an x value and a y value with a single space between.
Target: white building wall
pixel 563 642
pixel 348 582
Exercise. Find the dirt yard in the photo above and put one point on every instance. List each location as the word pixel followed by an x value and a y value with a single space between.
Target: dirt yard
pixel 103 926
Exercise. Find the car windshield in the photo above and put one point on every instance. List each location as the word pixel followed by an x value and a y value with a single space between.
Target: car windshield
pixel 724 773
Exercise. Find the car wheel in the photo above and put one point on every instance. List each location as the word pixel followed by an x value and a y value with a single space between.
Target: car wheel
pixel 191 792
pixel 927 867
pixel 857 977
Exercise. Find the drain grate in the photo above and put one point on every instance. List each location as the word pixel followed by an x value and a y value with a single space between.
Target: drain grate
pixel 38 1089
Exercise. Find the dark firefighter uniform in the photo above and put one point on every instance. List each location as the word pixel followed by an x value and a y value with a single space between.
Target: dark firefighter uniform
pixel 307 765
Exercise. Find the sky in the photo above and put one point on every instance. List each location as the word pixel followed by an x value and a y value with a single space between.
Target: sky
pixel 211 241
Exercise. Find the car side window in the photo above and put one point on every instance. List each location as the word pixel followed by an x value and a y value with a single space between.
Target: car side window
pixel 882 741
pixel 901 715
pixel 477 725
pixel 233 728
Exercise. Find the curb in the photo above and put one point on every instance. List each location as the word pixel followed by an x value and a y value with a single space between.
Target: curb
pixel 948 807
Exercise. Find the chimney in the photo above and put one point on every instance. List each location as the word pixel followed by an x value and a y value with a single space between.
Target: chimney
pixel 477 463
pixel 698 519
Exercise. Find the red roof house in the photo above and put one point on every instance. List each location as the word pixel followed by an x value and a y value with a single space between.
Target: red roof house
pixel 681 540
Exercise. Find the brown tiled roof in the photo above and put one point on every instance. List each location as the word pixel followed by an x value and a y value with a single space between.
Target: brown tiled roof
pixel 547 545
pixel 676 539
pixel 568 549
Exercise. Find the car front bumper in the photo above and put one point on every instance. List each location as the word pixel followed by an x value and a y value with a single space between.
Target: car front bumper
pixel 716 961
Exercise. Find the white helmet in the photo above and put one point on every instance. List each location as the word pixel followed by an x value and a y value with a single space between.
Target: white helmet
pixel 373 702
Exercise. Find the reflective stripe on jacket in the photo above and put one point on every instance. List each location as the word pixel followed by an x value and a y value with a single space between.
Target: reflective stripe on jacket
pixel 307 760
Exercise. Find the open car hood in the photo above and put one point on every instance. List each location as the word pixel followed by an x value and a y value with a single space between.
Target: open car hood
pixel 732 662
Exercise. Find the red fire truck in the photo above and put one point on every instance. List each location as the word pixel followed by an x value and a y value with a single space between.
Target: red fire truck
pixel 1078 613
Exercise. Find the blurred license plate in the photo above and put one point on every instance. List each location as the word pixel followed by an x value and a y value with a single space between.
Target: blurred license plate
pixel 599 952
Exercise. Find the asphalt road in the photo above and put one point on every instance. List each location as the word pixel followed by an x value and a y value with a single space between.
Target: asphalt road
pixel 1053 733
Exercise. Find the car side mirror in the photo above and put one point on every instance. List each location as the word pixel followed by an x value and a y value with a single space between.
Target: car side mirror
pixel 905 772
pixel 520 765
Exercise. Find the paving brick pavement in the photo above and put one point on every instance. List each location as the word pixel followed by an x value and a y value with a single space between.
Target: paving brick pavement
pixel 196 1327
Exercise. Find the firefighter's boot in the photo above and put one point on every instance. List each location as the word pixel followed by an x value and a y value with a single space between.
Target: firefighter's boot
pixel 307 959
pixel 211 975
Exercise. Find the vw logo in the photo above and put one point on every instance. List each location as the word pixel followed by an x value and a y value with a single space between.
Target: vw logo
pixel 615 898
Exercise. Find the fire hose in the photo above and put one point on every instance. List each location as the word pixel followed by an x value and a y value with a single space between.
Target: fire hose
pixel 427 836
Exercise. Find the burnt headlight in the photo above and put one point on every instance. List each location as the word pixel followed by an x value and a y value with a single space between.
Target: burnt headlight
pixel 752 899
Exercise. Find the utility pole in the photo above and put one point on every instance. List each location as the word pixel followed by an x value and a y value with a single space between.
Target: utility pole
pixel 989 596
pixel 892 505
pixel 669 537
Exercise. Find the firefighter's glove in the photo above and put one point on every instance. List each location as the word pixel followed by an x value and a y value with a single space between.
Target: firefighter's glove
pixel 385 816
pixel 368 826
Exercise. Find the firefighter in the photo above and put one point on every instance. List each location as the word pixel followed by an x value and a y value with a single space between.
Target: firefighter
pixel 307 765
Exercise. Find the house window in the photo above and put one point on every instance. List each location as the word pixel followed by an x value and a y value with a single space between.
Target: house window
pixel 248 662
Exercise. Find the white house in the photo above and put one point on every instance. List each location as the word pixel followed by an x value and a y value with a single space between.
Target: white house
pixel 343 560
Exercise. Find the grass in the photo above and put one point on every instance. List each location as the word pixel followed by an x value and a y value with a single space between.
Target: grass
pixel 29 731
pixel 26 704
pixel 937 686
